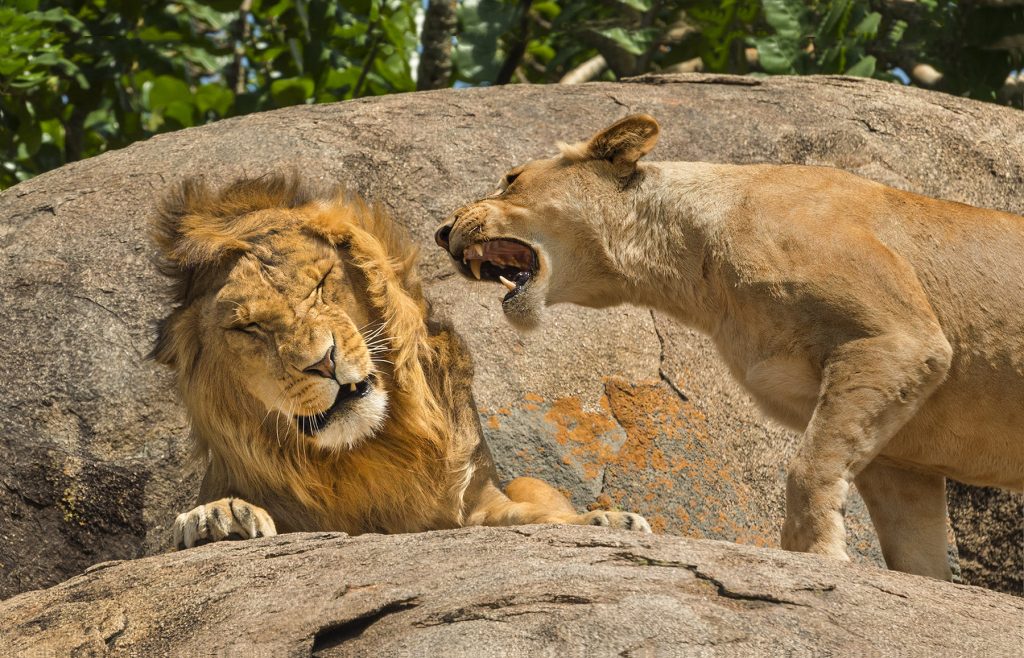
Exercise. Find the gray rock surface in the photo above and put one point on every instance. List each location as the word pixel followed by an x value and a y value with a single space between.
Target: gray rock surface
pixel 527 591
pixel 621 406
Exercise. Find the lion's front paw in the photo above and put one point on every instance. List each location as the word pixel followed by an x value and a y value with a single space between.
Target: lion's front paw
pixel 222 519
pixel 625 520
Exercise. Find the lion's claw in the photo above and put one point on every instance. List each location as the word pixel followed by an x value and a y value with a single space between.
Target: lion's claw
pixel 227 518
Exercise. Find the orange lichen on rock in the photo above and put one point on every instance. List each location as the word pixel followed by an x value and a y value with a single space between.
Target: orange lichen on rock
pixel 658 523
pixel 649 449
pixel 584 434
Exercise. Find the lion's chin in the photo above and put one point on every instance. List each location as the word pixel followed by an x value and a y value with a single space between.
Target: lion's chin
pixel 359 422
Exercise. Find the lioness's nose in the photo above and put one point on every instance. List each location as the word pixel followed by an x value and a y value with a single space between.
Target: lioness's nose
pixel 442 235
pixel 324 367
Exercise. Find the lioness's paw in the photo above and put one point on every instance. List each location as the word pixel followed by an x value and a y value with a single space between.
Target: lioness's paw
pixel 222 519
pixel 625 520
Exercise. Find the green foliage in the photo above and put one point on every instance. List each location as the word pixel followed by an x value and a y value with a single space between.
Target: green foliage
pixel 725 28
pixel 78 77
pixel 830 36
pixel 974 46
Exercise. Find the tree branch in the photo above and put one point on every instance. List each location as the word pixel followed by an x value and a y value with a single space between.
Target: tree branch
pixel 586 71
pixel 236 74
pixel 518 47
pixel 358 89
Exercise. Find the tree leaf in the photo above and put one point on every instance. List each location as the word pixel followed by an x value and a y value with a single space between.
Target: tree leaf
pixel 214 98
pixel 639 5
pixel 633 42
pixel 786 18
pixel 868 28
pixel 291 91
pixel 865 67
pixel 165 90
pixel 776 55
pixel 181 112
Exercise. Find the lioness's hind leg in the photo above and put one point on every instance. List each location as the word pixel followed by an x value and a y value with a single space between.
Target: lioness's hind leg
pixel 871 388
pixel 908 510
pixel 219 520
pixel 539 492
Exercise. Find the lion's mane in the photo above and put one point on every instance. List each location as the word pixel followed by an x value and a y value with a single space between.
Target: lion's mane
pixel 410 475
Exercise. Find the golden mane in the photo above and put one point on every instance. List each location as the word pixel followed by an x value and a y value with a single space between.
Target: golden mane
pixel 387 483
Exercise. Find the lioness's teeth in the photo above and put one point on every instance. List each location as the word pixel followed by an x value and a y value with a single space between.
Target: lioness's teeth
pixel 475 266
pixel 352 387
pixel 477 250
pixel 508 284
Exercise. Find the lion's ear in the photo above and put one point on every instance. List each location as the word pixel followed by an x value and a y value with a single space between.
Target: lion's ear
pixel 176 339
pixel 625 141
pixel 168 227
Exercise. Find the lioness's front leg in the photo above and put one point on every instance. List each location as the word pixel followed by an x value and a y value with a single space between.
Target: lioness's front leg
pixel 529 500
pixel 871 387
pixel 220 520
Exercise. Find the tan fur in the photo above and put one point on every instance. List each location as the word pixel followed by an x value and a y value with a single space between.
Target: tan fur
pixel 283 299
pixel 885 326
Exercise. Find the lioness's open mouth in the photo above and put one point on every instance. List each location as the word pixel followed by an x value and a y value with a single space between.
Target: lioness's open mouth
pixel 313 425
pixel 509 262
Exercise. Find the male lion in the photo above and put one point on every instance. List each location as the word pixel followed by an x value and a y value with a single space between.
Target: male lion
pixel 319 395
pixel 885 326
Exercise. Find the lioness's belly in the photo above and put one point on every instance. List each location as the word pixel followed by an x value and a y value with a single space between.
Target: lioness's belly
pixel 971 429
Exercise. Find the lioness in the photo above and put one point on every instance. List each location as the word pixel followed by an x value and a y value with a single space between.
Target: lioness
pixel 885 326
pixel 319 396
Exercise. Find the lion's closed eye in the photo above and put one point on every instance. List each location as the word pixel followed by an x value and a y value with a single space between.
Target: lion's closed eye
pixel 319 290
pixel 252 328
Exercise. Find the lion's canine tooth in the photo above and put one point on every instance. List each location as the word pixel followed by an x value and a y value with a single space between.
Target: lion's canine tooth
pixel 477 250
pixel 352 387
pixel 508 284
pixel 475 266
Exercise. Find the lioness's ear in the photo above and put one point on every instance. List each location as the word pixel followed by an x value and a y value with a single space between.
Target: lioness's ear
pixel 625 141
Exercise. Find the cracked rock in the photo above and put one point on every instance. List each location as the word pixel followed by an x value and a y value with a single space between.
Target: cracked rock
pixel 551 591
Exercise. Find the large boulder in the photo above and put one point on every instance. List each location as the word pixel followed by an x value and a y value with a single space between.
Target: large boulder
pixel 528 591
pixel 623 407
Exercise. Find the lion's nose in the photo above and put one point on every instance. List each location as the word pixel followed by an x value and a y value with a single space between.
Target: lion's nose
pixel 442 235
pixel 324 367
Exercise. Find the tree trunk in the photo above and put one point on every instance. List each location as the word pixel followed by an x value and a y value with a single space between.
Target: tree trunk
pixel 435 70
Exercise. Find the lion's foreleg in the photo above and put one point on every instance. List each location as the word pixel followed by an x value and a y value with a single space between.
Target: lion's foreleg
pixel 871 387
pixel 908 510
